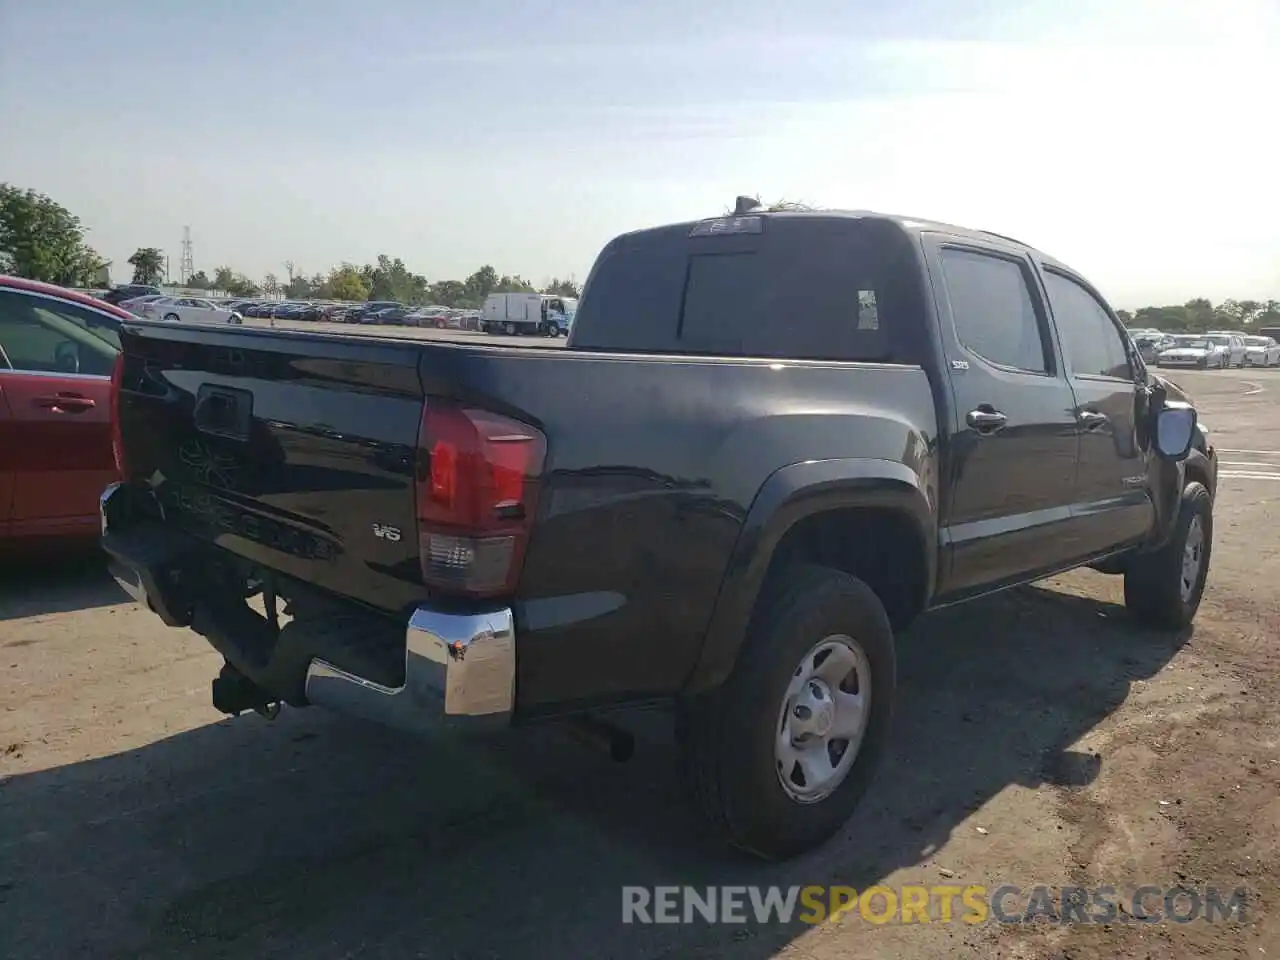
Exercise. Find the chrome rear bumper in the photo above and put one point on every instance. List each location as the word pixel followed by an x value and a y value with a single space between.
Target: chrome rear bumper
pixel 457 666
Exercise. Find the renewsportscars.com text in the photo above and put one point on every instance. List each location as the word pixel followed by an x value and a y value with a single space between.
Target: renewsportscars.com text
pixel 1149 903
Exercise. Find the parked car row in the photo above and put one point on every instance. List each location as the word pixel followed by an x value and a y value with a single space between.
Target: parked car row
pixel 1216 349
pixel 386 312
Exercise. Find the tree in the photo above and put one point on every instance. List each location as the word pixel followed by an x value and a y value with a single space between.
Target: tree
pixel 41 240
pixel 241 286
pixel 1241 313
pixel 345 283
pixel 1125 317
pixel 271 285
pixel 448 293
pixel 148 265
pixel 392 280
pixel 199 281
pixel 513 284
pixel 223 277
pixel 480 284
pixel 298 288
pixel 562 288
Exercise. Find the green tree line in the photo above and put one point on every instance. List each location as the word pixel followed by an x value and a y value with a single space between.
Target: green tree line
pixel 1199 315
pixel 387 279
pixel 42 240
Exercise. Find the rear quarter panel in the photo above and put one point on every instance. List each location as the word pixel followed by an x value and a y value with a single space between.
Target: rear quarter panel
pixel 653 464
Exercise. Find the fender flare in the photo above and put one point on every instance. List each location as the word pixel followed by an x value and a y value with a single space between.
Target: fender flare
pixel 788 496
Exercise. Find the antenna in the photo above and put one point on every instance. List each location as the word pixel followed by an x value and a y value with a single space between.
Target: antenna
pixel 187 268
pixel 745 205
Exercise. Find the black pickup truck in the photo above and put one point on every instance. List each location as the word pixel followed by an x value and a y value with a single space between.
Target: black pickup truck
pixel 771 441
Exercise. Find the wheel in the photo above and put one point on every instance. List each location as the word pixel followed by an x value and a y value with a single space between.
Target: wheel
pixel 781 753
pixel 509 329
pixel 171 317
pixel 1163 588
pixel 439 324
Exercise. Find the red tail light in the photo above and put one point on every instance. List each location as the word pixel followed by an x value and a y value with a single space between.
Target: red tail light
pixel 477 483
pixel 117 445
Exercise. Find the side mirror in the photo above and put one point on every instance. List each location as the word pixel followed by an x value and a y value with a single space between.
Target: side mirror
pixel 1175 429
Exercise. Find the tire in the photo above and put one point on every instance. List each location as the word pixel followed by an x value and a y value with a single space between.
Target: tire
pixel 171 317
pixel 1156 586
pixel 509 329
pixel 730 736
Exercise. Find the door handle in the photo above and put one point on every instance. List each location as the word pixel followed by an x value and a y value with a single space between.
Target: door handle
pixel 68 402
pixel 1092 419
pixel 986 419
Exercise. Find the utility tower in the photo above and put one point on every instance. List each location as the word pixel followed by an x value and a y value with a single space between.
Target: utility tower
pixel 187 269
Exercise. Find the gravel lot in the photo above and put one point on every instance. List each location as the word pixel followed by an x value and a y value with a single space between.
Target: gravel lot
pixel 1041 739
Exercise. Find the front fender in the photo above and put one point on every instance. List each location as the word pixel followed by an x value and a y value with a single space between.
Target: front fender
pixel 788 496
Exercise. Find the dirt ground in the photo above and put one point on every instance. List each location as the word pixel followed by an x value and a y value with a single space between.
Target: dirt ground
pixel 1041 739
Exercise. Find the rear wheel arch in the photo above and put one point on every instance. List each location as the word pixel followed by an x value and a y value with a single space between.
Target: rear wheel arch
pixel 870 518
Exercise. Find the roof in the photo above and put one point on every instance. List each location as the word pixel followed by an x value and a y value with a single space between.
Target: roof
pixel 907 223
pixel 62 293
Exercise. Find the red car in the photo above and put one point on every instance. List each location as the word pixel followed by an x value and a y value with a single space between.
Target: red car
pixel 57 353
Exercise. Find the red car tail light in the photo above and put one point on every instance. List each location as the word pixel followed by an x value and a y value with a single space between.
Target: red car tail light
pixel 117 444
pixel 478 475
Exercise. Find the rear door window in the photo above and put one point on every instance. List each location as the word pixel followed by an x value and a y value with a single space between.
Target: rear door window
pixel 994 315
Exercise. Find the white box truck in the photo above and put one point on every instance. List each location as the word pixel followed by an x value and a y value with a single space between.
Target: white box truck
pixel 517 313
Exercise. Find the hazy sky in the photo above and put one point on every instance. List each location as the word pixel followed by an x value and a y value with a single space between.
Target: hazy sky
pixel 1139 141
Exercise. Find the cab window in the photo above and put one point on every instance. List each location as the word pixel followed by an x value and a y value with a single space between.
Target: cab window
pixel 1093 344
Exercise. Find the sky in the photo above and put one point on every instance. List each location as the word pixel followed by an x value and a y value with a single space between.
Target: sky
pixel 1137 141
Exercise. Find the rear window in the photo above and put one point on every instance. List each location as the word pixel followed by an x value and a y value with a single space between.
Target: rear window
pixel 801 287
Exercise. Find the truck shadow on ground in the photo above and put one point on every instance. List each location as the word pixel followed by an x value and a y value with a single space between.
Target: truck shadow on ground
pixel 318 837
pixel 56 580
